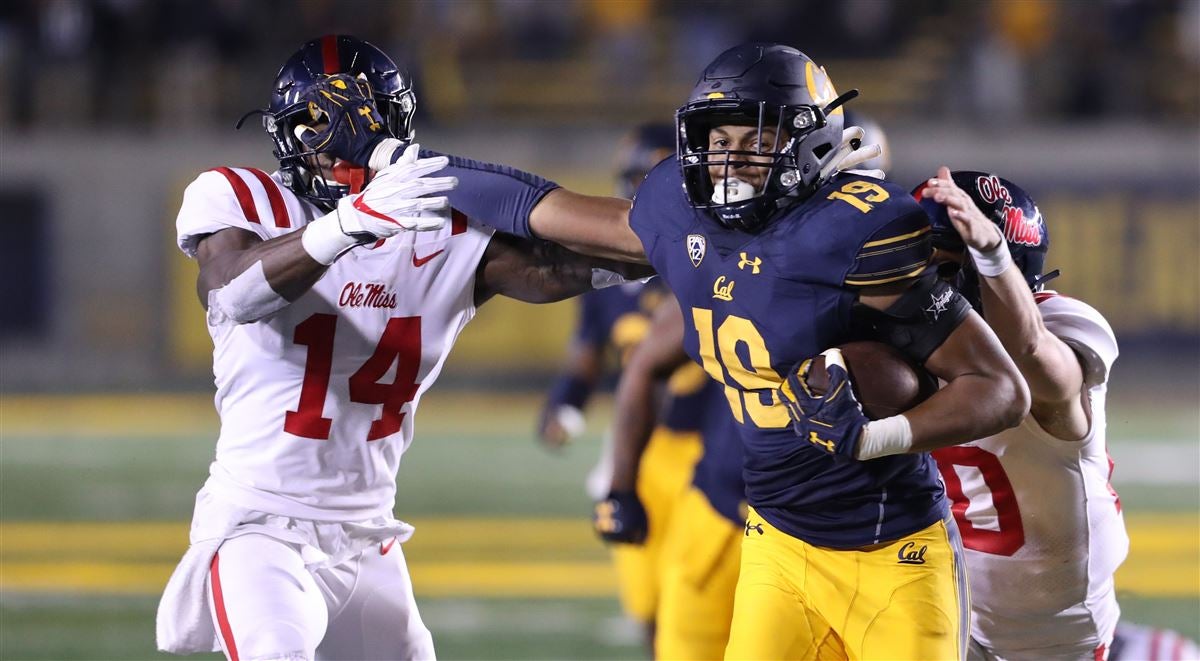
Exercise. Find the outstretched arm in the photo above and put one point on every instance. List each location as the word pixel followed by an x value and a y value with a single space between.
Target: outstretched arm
pixel 538 271
pixel 589 224
pixel 529 206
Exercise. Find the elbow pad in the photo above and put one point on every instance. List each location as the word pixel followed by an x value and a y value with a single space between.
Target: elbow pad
pixel 246 299
pixel 919 321
pixel 496 195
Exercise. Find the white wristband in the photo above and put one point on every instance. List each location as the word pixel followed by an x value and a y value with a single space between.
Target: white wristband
pixel 881 438
pixel 992 263
pixel 324 240
pixel 384 153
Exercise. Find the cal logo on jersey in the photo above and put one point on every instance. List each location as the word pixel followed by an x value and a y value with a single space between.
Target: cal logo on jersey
pixel 696 247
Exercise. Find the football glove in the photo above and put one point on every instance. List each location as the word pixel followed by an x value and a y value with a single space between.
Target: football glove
pixel 620 518
pixel 832 422
pixel 392 202
pixel 345 120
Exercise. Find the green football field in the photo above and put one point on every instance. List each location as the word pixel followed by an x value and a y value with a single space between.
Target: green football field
pixel 96 492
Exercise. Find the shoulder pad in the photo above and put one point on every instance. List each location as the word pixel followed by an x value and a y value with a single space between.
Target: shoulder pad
pixel 230 197
pixel 1082 328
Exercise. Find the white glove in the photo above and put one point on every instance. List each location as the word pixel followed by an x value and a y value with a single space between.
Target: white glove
pixel 391 203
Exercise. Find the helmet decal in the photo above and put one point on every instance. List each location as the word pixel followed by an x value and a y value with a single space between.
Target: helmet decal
pixel 820 86
pixel 1014 213
pixel 1019 228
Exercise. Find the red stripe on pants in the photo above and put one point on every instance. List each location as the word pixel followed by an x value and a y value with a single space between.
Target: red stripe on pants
pixel 219 603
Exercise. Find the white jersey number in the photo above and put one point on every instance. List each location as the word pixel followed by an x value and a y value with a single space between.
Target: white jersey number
pixel 986 512
pixel 401 340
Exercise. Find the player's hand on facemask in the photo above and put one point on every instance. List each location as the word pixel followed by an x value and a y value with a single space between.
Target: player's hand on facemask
pixel 345 121
pixel 975 229
pixel 620 518
pixel 393 201
pixel 832 422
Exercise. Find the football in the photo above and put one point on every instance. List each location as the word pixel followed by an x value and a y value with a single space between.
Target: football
pixel 885 381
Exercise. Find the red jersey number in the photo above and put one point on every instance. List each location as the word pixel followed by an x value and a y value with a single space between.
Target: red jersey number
pixel 401 341
pixel 1007 535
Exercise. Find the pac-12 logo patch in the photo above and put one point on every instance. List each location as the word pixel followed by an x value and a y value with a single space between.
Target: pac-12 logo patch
pixel 696 247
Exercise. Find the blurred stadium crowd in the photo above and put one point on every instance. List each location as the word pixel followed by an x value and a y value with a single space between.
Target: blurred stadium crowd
pixel 1094 104
pixel 132 62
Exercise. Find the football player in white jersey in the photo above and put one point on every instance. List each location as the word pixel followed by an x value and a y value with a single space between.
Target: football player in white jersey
pixel 1041 524
pixel 334 293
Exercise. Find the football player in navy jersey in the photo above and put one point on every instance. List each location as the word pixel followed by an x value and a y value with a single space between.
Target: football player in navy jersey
pixel 700 551
pixel 702 546
pixel 777 253
pixel 617 318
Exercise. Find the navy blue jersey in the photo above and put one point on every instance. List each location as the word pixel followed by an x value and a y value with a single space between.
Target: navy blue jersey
pixel 718 474
pixel 616 315
pixel 688 399
pixel 754 305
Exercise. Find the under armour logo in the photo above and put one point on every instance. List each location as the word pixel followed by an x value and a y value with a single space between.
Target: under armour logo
pixel 817 440
pixel 365 111
pixel 605 520
pixel 908 556
pixel 757 527
pixel 939 303
pixel 752 263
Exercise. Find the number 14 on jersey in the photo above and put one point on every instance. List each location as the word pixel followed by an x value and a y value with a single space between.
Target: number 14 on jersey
pixel 401 341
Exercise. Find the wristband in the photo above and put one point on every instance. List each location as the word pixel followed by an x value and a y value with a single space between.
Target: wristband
pixel 324 240
pixel 386 153
pixel 881 438
pixel 992 263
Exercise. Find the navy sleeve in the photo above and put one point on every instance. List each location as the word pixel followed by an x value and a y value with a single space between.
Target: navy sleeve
pixel 899 249
pixel 496 195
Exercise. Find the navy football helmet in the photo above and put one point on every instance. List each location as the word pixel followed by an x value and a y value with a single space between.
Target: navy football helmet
pixel 767 86
pixel 331 54
pixel 640 151
pixel 1012 210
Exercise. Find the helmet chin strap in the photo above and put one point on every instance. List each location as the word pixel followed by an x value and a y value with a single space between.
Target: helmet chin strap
pixel 1041 280
pixel 248 115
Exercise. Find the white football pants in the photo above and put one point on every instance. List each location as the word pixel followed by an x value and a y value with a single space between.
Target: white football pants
pixel 267 605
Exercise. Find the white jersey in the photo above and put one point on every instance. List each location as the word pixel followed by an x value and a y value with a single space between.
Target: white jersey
pixel 317 400
pixel 1041 524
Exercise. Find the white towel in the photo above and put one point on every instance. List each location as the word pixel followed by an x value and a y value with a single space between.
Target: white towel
pixel 184 621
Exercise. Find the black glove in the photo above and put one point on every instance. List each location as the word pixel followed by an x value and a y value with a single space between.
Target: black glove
pixel 349 122
pixel 620 518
